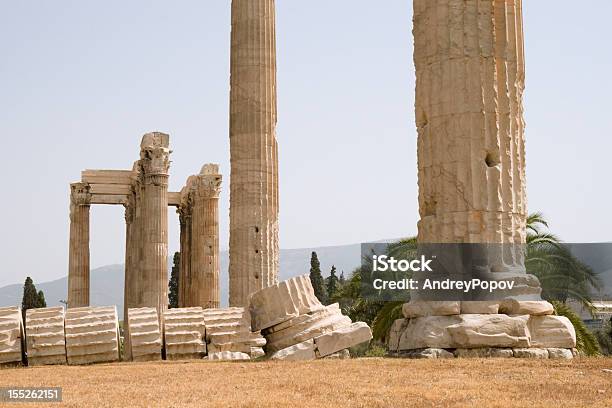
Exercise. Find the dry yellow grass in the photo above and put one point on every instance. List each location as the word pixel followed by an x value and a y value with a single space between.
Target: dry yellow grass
pixel 327 383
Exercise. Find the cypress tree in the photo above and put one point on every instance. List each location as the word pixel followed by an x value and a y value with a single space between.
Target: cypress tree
pixel 173 285
pixel 41 299
pixel 316 278
pixel 30 296
pixel 332 283
pixel 342 280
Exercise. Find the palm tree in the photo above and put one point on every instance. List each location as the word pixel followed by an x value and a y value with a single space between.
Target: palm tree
pixel 562 276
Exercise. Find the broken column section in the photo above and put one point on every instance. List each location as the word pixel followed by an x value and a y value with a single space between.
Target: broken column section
pixel 45 336
pixel 11 336
pixel 298 327
pixel 92 335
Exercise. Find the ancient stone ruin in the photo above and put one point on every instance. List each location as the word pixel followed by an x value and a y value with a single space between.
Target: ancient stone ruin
pixel 45 335
pixel 11 335
pixel 469 59
pixel 298 327
pixel 143 191
pixel 92 335
pixel 254 151
pixel 143 340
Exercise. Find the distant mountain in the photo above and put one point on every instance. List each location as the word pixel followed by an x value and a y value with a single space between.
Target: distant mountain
pixel 107 281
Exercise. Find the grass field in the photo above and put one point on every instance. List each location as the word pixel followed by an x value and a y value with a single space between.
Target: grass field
pixel 327 383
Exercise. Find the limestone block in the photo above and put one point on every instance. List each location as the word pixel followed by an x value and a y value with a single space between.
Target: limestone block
pixel 421 308
pixel 143 334
pixel 256 352
pixel 92 335
pixel 464 331
pixel 427 332
pixel 484 353
pixel 560 353
pixel 310 326
pixel 343 338
pixel 429 353
pixel 475 331
pixel 395 333
pixel 552 332
pixel 11 335
pixel 283 301
pixel 212 348
pixel 228 356
pixel 297 352
pixel 184 333
pixel 530 353
pixel 480 307
pixel 526 307
pixel 45 336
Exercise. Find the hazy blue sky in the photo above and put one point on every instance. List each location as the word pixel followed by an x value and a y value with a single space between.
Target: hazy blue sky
pixel 81 81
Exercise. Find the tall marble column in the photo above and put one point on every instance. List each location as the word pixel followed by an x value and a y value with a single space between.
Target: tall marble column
pixel 204 248
pixel 153 274
pixel 254 151
pixel 185 242
pixel 78 261
pixel 469 113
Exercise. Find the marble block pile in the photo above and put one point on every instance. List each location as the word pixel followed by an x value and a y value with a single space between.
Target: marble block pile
pixel 508 328
pixel 143 338
pixel 92 335
pixel 298 327
pixel 229 330
pixel 184 332
pixel 45 336
pixel 11 336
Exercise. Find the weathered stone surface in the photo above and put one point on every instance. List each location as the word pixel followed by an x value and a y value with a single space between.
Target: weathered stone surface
pixel 395 333
pixel 256 352
pixel 254 151
pixel 484 352
pixel 92 335
pixel 479 307
pixel 552 332
pixel 310 326
pixel 530 353
pixel 184 333
pixel 45 336
pixel 524 307
pixel 475 331
pixel 420 308
pixel 427 332
pixel 229 329
pixel 560 353
pixel 464 331
pixel 342 338
pixel 297 352
pixel 11 335
pixel 143 334
pixel 228 356
pixel 341 355
pixel 283 301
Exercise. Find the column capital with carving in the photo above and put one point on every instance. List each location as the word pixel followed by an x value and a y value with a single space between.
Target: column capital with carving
pixel 80 194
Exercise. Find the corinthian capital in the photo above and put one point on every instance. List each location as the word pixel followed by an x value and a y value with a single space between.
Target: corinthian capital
pixel 155 153
pixel 209 180
pixel 80 194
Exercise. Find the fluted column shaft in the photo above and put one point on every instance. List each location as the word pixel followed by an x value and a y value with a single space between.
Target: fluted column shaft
pixel 153 275
pixel 469 112
pixel 254 151
pixel 204 270
pixel 184 267
pixel 78 260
